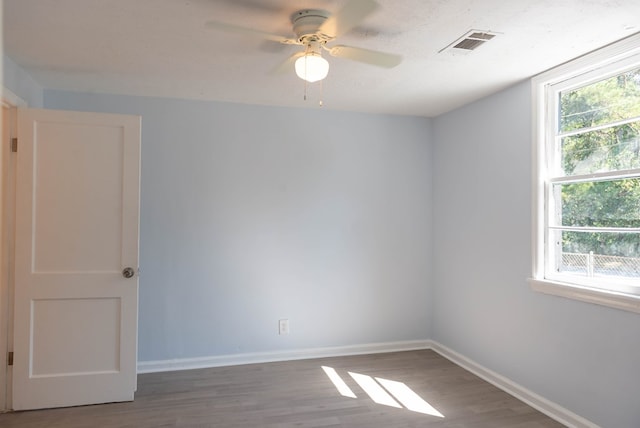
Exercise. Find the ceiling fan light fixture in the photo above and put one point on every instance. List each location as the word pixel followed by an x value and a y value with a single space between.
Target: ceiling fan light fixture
pixel 312 67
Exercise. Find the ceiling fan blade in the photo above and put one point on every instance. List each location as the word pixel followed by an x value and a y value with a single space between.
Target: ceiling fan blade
pixel 381 59
pixel 287 65
pixel 350 16
pixel 215 25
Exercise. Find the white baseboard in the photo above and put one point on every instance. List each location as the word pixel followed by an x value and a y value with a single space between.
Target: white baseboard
pixel 534 400
pixel 273 356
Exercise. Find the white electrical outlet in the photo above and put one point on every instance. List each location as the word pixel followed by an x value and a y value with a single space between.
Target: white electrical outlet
pixel 283 327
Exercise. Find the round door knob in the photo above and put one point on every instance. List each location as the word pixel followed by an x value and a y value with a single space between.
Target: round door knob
pixel 128 272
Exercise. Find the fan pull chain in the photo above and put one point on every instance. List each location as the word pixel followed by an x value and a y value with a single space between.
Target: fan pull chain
pixel 306 51
pixel 321 93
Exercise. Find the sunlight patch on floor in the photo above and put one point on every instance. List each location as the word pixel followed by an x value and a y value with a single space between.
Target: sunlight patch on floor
pixel 375 391
pixel 408 397
pixel 342 387
pixel 383 391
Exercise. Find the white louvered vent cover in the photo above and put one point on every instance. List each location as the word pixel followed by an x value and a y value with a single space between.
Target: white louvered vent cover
pixel 471 40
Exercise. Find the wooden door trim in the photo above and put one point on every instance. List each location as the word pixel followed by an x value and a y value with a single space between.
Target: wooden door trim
pixel 11 102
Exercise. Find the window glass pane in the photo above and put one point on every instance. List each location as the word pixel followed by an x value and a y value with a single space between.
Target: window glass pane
pixel 609 149
pixel 600 254
pixel 609 100
pixel 614 203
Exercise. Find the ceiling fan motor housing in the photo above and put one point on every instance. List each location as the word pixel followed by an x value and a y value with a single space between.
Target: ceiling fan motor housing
pixel 307 23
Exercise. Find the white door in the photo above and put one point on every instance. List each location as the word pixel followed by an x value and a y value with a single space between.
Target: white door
pixel 77 209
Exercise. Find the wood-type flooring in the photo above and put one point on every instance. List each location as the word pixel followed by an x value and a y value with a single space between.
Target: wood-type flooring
pixel 300 394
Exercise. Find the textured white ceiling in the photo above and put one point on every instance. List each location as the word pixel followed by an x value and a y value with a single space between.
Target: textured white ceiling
pixel 161 48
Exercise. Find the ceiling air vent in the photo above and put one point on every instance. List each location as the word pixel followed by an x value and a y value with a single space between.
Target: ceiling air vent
pixel 470 41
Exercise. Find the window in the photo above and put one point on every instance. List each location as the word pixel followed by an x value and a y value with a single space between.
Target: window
pixel 587 183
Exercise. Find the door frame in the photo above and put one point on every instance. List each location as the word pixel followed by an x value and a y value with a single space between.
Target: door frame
pixel 10 101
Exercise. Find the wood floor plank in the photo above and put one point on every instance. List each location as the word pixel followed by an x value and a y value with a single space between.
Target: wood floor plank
pixel 299 394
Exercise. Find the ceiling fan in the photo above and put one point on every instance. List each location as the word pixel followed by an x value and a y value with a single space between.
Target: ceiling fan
pixel 314 29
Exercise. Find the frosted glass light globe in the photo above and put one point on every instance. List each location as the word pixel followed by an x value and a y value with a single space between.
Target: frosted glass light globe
pixel 312 67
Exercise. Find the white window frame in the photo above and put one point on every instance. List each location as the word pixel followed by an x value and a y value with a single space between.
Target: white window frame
pixel 617 56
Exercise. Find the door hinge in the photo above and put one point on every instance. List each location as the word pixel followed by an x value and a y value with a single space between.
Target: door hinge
pixel 10 358
pixel 14 145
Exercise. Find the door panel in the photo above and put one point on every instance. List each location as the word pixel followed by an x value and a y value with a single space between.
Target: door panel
pixel 62 324
pixel 65 233
pixel 77 206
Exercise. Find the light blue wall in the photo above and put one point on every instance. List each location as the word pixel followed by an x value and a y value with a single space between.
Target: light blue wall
pixel 21 83
pixel 581 356
pixel 250 214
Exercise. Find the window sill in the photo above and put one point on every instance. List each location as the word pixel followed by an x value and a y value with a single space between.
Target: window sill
pixel 626 302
